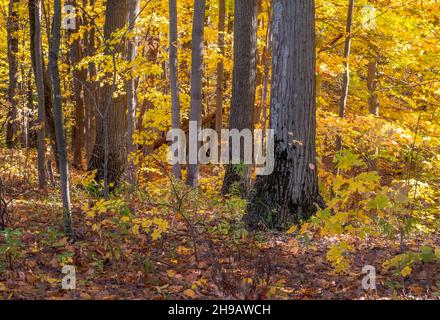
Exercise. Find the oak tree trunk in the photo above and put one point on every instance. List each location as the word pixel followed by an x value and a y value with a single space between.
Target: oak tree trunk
pixel 290 193
pixel 110 152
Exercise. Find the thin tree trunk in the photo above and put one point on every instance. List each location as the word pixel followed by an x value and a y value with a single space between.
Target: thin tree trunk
pixel 37 62
pixel 290 193
pixel 58 115
pixel 131 88
pixel 28 136
pixel 373 101
pixel 243 88
pixel 197 45
pixel 174 82
pixel 12 39
pixel 373 106
pixel 346 76
pixel 266 62
pixel 220 67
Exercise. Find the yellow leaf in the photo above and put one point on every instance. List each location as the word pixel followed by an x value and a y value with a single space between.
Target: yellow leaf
pixel 2 286
pixel 406 271
pixel 292 229
pixel 171 273
pixel 189 293
pixel 293 246
pixel 135 229
pixel 125 219
pixel 183 251
pixel 52 280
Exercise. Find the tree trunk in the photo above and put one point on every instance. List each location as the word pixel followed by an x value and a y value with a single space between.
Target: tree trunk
pixel 78 80
pixel 290 193
pixel 373 102
pixel 174 83
pixel 220 67
pixel 58 117
pixel 131 87
pixel 262 113
pixel 243 88
pixel 90 89
pixel 110 152
pixel 197 44
pixel 46 90
pixel 373 107
pixel 34 7
pixel 346 76
pixel 12 38
pixel 49 112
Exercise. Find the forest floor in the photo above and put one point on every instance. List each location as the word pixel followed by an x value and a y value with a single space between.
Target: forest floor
pixel 228 265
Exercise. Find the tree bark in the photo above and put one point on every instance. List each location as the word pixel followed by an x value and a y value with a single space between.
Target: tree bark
pixel 373 107
pixel 110 152
pixel 79 76
pixel 49 125
pixel 58 117
pixel 346 75
pixel 34 7
pixel 243 88
pixel 131 87
pixel 174 82
pixel 290 193
pixel 197 45
pixel 90 88
pixel 12 39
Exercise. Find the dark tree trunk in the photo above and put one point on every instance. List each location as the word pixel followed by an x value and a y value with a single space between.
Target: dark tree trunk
pixel 12 30
pixel 243 88
pixel 290 193
pixel 346 75
pixel 78 81
pixel 192 178
pixel 58 117
pixel 49 112
pixel 90 89
pixel 174 84
pixel 34 7
pixel 49 124
pixel 110 152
